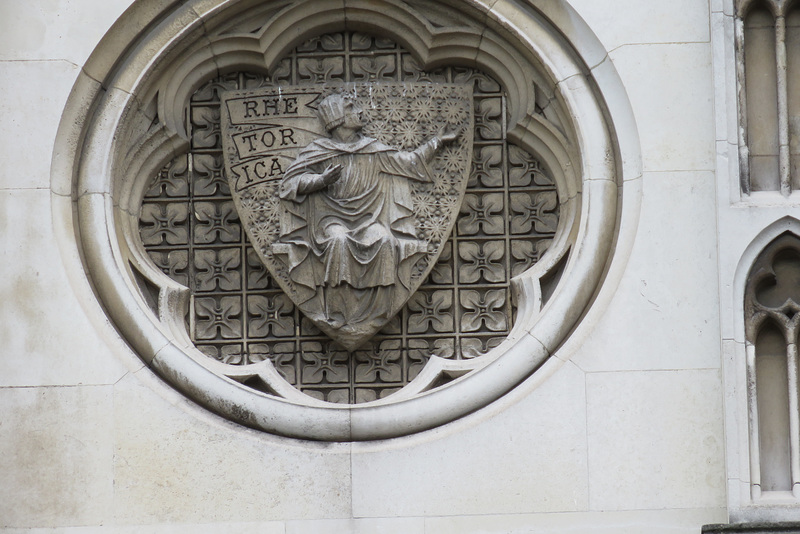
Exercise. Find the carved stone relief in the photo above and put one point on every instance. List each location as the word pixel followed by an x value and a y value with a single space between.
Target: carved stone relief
pixel 475 217
pixel 168 252
pixel 347 224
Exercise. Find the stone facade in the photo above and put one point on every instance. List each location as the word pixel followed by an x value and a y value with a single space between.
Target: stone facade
pixel 611 388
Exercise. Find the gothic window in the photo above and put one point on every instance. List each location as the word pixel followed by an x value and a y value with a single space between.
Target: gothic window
pixel 768 45
pixel 240 316
pixel 772 326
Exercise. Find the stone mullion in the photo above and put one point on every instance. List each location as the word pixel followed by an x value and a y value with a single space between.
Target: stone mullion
pixel 293 63
pixel 783 106
pixel 456 239
pixel 794 415
pixel 190 224
pixel 333 53
pixel 744 148
pixel 296 341
pixel 347 39
pixel 755 448
pixel 404 363
pixel 398 67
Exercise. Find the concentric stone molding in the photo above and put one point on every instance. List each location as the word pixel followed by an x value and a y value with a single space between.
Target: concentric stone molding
pixel 125 120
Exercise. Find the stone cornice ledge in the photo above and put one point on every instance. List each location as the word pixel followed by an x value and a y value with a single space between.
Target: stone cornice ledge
pixel 752 528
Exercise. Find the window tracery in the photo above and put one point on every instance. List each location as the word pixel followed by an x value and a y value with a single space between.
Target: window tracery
pixel 768 45
pixel 772 327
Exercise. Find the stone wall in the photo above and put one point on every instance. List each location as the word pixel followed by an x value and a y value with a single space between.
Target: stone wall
pixel 622 431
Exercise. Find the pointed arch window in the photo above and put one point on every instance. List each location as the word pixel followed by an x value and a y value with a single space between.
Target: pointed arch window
pixel 772 325
pixel 768 49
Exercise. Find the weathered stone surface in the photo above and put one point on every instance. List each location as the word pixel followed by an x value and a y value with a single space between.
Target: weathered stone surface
pixel 243 314
pixel 348 224
pixel 635 422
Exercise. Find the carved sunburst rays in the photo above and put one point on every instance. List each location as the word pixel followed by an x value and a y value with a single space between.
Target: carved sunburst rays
pixel 261 204
pixel 395 119
pixel 433 215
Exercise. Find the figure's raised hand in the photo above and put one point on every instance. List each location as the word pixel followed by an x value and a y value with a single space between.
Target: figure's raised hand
pixel 449 133
pixel 331 174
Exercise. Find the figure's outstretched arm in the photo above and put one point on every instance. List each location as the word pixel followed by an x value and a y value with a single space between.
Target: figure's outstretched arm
pixel 414 164
pixel 306 183
pixel 445 136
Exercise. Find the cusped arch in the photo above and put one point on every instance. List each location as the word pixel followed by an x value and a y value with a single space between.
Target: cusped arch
pixel 519 71
pixel 775 8
pixel 754 250
pixel 770 321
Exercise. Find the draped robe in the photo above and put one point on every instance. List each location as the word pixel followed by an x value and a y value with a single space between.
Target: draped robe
pixel 357 234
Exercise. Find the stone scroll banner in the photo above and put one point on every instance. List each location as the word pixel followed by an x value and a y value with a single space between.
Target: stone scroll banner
pixel 348 192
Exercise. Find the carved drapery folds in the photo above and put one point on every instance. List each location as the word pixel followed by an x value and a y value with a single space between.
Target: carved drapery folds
pixel 165 247
pixel 772 327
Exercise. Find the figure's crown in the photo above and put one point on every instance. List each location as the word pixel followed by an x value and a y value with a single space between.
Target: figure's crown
pixel 331 111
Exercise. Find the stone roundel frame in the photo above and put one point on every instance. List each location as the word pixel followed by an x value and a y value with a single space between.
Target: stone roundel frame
pixel 125 120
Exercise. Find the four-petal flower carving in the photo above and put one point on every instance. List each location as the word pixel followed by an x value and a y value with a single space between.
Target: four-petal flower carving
pixel 281 354
pixel 381 364
pixel 230 354
pixel 205 127
pixel 173 264
pixel 487 119
pixel 481 261
pixel 472 347
pixel 218 317
pixel 164 223
pixel 172 181
pixel 534 211
pixel 217 269
pixel 481 213
pixel 324 364
pixel 487 166
pixel 208 176
pixel 483 309
pixel 526 253
pixel 374 68
pixel 430 310
pixel 270 314
pixel 216 221
pixel 524 170
pixel 321 70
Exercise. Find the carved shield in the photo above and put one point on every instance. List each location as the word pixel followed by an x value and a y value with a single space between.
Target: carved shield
pixel 348 225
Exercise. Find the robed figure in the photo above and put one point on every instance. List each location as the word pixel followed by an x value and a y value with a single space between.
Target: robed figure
pixel 348 231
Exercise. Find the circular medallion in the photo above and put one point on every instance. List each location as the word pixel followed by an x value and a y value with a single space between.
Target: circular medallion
pixel 346 224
